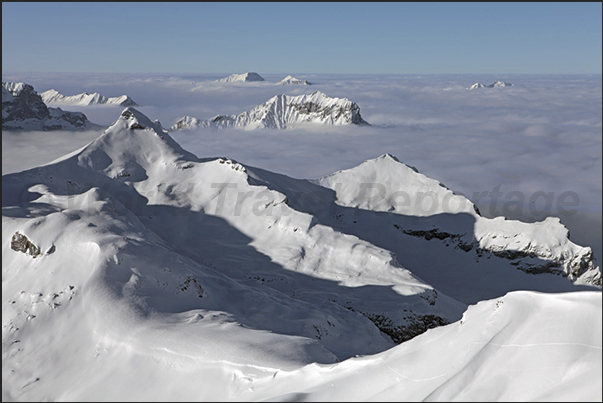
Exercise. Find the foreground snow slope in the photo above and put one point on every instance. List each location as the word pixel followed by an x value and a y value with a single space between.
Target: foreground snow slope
pixel 134 270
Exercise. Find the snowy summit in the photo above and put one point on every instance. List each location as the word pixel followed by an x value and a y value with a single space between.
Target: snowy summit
pixel 245 77
pixel 495 84
pixel 290 80
pixel 282 110
pixel 53 97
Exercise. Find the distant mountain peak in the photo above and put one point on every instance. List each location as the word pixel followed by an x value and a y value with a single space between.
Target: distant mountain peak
pixel 52 97
pixel 282 110
pixel 138 120
pixel 290 80
pixel 24 109
pixel 496 83
pixel 387 156
pixel 245 77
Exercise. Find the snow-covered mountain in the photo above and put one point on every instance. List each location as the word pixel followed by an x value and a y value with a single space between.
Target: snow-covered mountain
pixel 143 271
pixel 290 80
pixel 496 83
pixel 476 86
pixel 24 109
pixel 53 97
pixel 387 185
pixel 245 77
pixel 282 111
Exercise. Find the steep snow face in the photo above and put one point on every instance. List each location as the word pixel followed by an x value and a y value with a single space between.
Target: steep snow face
pixel 245 77
pixel 281 111
pixel 290 80
pixel 24 109
pixel 54 97
pixel 386 184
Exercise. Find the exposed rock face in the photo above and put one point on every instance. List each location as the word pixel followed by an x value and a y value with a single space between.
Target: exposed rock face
pixel 20 243
pixel 54 97
pixel 530 259
pixel 24 109
pixel 289 80
pixel 245 77
pixel 20 101
pixel 281 111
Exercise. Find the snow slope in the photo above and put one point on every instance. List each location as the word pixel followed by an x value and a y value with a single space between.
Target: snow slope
pixel 282 111
pixel 134 270
pixel 245 77
pixel 53 97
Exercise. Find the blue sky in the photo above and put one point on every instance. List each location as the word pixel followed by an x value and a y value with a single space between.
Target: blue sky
pixel 315 37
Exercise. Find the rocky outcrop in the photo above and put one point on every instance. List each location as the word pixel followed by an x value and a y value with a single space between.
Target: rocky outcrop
pixel 24 109
pixel 282 111
pixel 20 243
pixel 530 258
pixel 411 325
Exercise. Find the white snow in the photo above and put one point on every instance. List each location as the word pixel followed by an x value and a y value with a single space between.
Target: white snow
pixel 53 97
pixel 165 276
pixel 245 77
pixel 282 111
pixel 290 80
pixel 495 84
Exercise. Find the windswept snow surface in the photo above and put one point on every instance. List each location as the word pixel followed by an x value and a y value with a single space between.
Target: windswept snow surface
pixel 134 270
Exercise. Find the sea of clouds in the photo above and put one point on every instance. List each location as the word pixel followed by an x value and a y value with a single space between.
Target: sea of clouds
pixel 527 151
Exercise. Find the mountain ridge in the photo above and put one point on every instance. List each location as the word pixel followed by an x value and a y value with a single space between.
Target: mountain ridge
pixel 52 96
pixel 495 84
pixel 282 111
pixel 24 109
pixel 244 77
